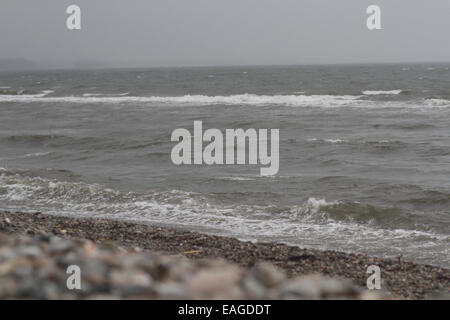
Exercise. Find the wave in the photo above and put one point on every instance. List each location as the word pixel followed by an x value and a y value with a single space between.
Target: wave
pixel 436 102
pixel 82 142
pixel 405 126
pixel 10 92
pixel 384 145
pixel 372 143
pixel 82 195
pixel 26 156
pixel 323 101
pixel 22 95
pixel 381 92
pixel 52 140
pixel 105 95
pixel 332 141
pixel 355 212
pixel 241 99
pixel 35 155
pixel 235 178
pixel 318 223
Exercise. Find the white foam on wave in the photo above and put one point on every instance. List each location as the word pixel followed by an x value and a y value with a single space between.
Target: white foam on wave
pixel 92 94
pixel 25 156
pixel 332 141
pixel 104 94
pixel 434 102
pixel 21 97
pixel 307 224
pixel 322 101
pixel 241 99
pixel 236 178
pixel 36 155
pixel 381 92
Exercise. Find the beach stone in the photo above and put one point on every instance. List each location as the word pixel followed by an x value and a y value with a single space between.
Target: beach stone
pixel 94 275
pixel 168 267
pixel 208 282
pixel 232 293
pixel 333 288
pixel 34 267
pixel 373 295
pixel 103 296
pixel 182 270
pixel 50 291
pixel 172 290
pixel 60 246
pixel 302 288
pixel 6 253
pixel 9 266
pixel 319 287
pixel 124 278
pixel 43 236
pixel 268 275
pixel 253 288
pixel 8 288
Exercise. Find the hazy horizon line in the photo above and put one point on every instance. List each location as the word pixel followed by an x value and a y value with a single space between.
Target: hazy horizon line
pixel 106 66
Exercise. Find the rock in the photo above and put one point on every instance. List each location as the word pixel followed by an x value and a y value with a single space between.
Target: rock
pixel 268 275
pixel 208 283
pixel 301 288
pixel 43 236
pixel 59 246
pixel 124 278
pixel 374 295
pixel 334 288
pixel 172 290
pixel 253 288
pixel 320 287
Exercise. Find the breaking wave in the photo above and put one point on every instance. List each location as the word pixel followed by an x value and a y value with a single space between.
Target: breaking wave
pixel 105 95
pixel 322 101
pixel 241 99
pixel 435 102
pixel 318 223
pixel 381 92
pixel 378 144
pixel 332 141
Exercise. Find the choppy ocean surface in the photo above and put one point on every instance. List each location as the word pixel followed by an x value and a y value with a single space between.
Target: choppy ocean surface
pixel 364 152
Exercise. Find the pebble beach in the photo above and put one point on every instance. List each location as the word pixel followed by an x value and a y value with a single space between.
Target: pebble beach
pixel 125 260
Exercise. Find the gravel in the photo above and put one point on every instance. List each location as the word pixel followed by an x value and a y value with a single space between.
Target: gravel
pixel 123 260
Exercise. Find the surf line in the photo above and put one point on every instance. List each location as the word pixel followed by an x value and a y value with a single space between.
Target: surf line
pixel 189 149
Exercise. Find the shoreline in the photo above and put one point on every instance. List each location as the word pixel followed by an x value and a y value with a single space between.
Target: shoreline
pixel 399 278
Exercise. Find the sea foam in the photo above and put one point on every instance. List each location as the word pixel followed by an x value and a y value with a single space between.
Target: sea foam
pixel 240 99
pixel 315 222
pixel 380 92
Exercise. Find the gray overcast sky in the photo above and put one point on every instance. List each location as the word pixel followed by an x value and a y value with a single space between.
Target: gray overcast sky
pixel 224 32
